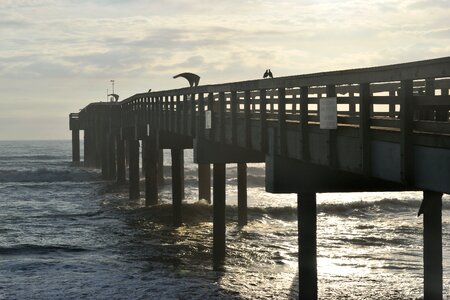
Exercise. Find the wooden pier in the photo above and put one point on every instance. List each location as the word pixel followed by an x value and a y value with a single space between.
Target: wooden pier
pixel 393 133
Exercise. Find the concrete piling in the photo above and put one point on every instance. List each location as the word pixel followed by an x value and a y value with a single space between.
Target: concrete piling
pixel 151 169
pixel 218 215
pixel 204 182
pixel 242 193
pixel 177 186
pixel 133 149
pixel 432 244
pixel 307 243
pixel 120 161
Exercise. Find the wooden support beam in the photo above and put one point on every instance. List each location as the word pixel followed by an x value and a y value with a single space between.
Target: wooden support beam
pixel 204 182
pixel 432 244
pixel 219 227
pixel 307 244
pixel 242 193
pixel 133 148
pixel 364 128
pixel 177 185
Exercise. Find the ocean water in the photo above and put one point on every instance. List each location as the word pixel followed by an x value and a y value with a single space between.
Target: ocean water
pixel 66 234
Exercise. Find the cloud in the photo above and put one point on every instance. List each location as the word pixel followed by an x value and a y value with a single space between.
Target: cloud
pixel 439 34
pixel 429 4
pixel 54 46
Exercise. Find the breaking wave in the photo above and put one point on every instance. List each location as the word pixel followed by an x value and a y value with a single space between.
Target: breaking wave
pixel 47 175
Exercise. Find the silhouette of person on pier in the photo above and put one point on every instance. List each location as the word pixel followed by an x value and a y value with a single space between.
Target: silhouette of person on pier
pixel 193 79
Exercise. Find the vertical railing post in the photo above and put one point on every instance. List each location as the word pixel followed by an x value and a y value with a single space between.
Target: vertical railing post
pixel 364 128
pixel 193 122
pixel 282 121
pixel 331 134
pixel 185 108
pixel 263 119
pixel 212 110
pixel 304 127
pixel 234 121
pixel 443 113
pixel 201 132
pixel 222 116
pixel 392 105
pixel 247 120
pixel 406 132
pixel 179 116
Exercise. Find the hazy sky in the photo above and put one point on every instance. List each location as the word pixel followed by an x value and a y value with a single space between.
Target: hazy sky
pixel 56 56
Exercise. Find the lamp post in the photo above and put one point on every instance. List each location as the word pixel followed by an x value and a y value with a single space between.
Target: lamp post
pixel 112 81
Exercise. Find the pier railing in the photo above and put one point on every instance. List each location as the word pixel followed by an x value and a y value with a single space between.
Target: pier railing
pixel 295 99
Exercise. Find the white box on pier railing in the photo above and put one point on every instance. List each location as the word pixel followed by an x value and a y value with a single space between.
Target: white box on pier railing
pixel 328 113
pixel 208 119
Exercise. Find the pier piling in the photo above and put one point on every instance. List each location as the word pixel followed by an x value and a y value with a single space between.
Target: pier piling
pixel 432 244
pixel 242 193
pixel 133 148
pixel 307 244
pixel 204 182
pixel 151 169
pixel 218 215
pixel 177 186
pixel 75 146
pixel 161 167
pixel 120 161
